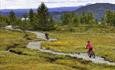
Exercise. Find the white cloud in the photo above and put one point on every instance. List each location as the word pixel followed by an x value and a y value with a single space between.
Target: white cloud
pixel 13 4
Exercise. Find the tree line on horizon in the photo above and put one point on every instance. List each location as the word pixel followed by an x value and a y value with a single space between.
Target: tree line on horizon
pixel 41 20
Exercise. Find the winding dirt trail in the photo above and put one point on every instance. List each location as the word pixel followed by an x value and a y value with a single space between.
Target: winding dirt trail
pixel 37 45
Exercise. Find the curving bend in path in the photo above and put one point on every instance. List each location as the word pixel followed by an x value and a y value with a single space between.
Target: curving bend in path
pixel 37 45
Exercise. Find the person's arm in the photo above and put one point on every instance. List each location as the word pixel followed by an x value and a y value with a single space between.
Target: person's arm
pixel 86 46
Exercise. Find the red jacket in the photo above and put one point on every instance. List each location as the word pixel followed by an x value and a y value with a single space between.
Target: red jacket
pixel 89 46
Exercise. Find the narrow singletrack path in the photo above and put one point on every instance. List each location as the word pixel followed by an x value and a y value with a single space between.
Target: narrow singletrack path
pixel 37 45
pixel 84 56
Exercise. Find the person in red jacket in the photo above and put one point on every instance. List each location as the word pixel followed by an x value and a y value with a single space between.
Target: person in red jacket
pixel 90 52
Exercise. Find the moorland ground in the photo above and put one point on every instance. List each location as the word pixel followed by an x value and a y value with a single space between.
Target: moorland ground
pixel 15 56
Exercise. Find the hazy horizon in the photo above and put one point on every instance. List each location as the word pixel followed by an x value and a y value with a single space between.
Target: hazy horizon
pixel 28 4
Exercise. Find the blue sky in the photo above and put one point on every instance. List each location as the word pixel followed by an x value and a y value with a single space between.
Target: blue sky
pixel 14 4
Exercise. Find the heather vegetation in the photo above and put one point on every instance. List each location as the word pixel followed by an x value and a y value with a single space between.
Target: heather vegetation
pixel 72 32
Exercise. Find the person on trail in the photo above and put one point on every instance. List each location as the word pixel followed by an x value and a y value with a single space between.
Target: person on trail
pixel 90 51
pixel 46 35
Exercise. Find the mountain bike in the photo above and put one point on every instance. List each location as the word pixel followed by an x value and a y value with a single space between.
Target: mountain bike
pixel 91 54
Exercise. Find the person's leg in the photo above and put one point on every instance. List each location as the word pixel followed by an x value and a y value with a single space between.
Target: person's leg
pixel 93 54
pixel 47 37
pixel 89 53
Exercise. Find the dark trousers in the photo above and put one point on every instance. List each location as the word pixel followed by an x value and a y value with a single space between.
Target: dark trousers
pixel 91 53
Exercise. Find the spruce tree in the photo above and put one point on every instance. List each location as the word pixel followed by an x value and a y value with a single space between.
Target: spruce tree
pixel 109 18
pixel 44 19
pixel 31 16
pixel 12 18
pixel 3 21
pixel 87 18
pixel 32 19
pixel 70 19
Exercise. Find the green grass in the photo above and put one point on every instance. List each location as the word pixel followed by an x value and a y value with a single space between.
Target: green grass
pixel 87 28
pixel 22 58
pixel 104 43
pixel 9 38
pixel 42 61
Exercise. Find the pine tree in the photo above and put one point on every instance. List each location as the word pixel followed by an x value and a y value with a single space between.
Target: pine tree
pixel 44 20
pixel 109 18
pixel 70 19
pixel 12 18
pixel 31 16
pixel 87 18
pixel 3 20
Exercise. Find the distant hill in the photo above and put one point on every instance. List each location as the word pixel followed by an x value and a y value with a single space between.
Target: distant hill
pixel 20 12
pixel 97 9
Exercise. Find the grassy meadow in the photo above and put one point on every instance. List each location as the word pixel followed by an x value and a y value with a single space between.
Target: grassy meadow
pixel 103 41
pixel 15 56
